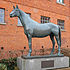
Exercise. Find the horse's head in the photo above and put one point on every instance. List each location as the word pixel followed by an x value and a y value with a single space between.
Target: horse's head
pixel 15 12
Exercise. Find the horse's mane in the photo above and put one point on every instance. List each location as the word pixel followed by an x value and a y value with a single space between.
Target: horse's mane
pixel 27 16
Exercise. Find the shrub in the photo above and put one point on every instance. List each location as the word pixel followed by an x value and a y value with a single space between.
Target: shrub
pixel 10 64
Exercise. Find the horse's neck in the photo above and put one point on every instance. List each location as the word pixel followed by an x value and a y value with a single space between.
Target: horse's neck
pixel 23 18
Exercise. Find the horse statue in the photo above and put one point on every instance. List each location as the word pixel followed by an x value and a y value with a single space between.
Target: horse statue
pixel 34 29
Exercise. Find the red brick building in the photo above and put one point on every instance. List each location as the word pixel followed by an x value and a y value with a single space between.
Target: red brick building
pixel 12 35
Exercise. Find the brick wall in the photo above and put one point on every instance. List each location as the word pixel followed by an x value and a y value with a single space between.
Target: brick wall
pixel 12 37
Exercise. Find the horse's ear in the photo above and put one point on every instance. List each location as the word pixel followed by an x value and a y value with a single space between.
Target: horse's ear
pixel 14 7
pixel 17 6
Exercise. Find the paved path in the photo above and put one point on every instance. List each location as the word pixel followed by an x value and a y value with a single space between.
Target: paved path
pixel 63 69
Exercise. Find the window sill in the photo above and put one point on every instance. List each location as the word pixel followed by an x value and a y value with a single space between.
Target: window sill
pixel 2 23
pixel 60 3
pixel 63 30
pixel 19 25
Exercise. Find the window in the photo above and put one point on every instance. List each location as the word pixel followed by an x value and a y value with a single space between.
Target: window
pixel 60 1
pixel 2 14
pixel 61 23
pixel 45 19
pixel 19 22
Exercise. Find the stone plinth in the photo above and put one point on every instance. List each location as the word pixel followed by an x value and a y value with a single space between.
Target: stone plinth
pixel 42 62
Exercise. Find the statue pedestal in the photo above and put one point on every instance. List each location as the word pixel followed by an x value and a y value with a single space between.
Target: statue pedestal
pixel 42 62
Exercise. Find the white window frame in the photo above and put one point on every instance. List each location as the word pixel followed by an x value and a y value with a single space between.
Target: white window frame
pixel 61 24
pixel 2 13
pixel 19 22
pixel 60 2
pixel 45 19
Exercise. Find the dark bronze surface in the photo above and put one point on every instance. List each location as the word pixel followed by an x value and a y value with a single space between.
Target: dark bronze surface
pixel 45 56
pixel 47 64
pixel 34 29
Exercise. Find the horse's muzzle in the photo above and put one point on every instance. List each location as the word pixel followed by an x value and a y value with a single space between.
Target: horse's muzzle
pixel 11 15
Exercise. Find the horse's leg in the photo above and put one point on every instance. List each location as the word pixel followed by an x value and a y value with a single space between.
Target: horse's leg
pixel 53 42
pixel 30 44
pixel 58 42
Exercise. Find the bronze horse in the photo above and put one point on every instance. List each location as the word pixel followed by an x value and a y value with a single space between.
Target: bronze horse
pixel 35 29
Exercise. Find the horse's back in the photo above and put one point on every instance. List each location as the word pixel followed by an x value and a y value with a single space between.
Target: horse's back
pixel 54 28
pixel 50 26
pixel 45 29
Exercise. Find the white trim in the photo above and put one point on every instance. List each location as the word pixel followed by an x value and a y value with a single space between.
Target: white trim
pixel 63 30
pixel 19 24
pixel 60 2
pixel 2 23
pixel 57 0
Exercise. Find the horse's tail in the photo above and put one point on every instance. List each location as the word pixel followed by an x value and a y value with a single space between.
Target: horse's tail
pixel 60 36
